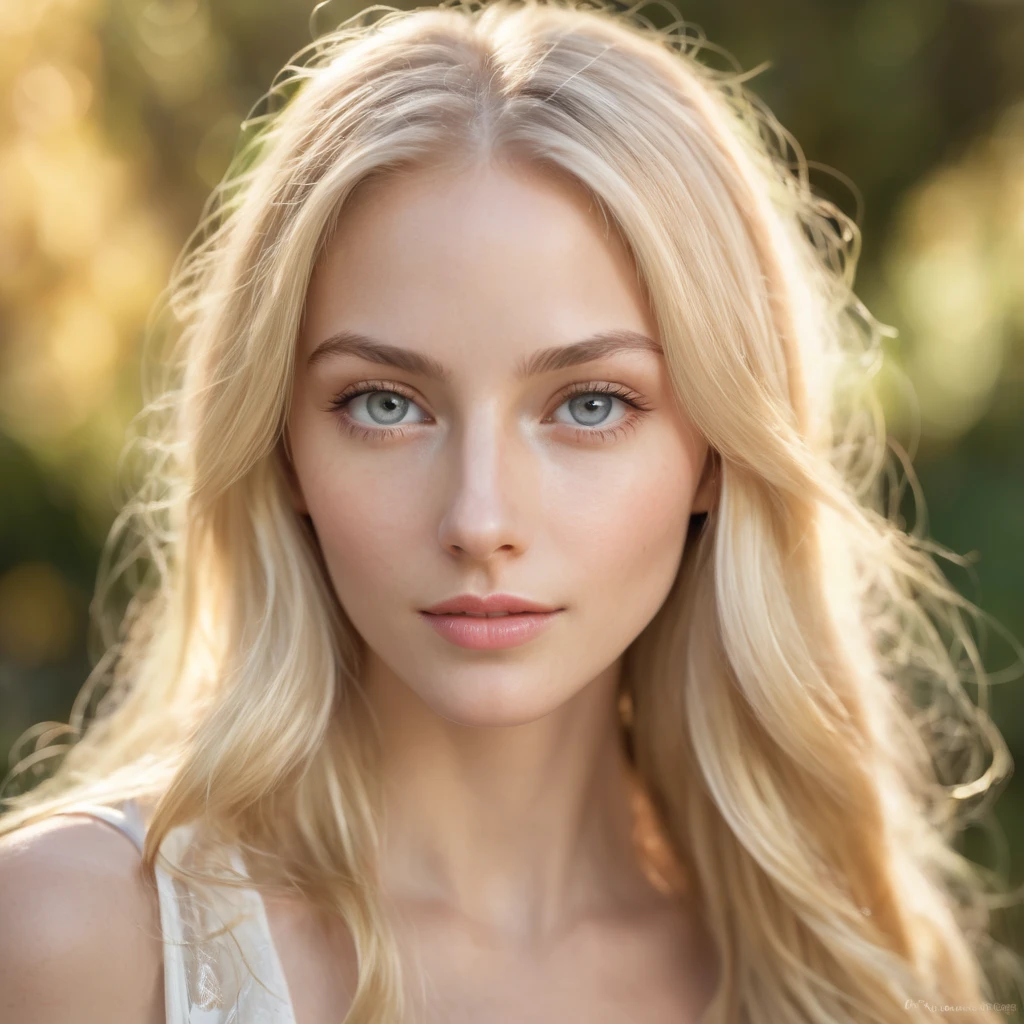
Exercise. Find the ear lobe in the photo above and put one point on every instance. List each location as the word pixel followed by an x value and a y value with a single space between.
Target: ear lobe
pixel 291 478
pixel 706 495
pixel 298 503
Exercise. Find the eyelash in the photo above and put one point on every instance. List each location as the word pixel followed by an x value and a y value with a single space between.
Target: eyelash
pixel 623 426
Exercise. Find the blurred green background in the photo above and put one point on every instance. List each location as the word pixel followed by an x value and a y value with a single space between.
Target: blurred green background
pixel 118 116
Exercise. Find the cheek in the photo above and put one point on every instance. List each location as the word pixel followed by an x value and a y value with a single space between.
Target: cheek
pixel 628 518
pixel 364 522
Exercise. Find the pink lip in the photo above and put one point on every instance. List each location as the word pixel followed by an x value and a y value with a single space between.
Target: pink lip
pixel 476 604
pixel 483 634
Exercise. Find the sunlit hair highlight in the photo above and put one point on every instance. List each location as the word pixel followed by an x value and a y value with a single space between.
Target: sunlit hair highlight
pixel 793 711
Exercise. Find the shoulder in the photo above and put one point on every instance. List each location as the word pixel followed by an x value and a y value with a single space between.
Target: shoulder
pixel 81 927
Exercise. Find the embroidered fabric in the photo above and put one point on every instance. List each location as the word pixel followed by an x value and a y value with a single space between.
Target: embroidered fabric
pixel 220 963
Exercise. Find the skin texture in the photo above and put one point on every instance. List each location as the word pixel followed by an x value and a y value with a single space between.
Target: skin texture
pixel 79 927
pixel 509 829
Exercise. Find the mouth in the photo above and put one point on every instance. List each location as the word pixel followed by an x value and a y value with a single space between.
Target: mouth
pixel 489 606
pixel 489 615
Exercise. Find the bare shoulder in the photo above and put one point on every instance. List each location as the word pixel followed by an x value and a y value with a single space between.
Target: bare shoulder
pixel 79 927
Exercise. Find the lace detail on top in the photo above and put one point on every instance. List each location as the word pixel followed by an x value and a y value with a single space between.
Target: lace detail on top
pixel 220 964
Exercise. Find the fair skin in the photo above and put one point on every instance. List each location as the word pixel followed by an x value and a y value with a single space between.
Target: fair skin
pixel 509 865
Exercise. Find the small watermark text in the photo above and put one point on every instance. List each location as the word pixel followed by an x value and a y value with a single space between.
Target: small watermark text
pixel 960 1007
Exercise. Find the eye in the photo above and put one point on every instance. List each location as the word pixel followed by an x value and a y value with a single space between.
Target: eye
pixel 383 405
pixel 383 408
pixel 591 408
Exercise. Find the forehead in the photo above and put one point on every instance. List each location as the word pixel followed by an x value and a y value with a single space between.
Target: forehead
pixel 510 253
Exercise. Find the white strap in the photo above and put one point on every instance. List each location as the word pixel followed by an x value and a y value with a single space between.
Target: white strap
pixel 176 1002
pixel 126 819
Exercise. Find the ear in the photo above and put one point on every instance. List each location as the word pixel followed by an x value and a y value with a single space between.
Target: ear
pixel 706 495
pixel 284 457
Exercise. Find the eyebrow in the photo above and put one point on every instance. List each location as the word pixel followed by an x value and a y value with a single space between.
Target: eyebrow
pixel 544 360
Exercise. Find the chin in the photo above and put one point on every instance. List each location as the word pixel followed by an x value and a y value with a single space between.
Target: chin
pixel 482 706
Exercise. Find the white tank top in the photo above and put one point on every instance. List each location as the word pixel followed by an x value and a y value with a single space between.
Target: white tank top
pixel 235 978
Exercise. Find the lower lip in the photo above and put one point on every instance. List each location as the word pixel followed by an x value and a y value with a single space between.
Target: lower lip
pixel 482 634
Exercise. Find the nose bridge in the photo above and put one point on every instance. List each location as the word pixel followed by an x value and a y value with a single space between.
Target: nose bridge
pixel 486 486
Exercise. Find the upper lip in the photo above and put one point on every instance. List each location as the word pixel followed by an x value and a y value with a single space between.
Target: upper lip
pixel 474 604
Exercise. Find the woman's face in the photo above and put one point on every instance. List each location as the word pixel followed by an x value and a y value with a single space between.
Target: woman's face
pixel 475 461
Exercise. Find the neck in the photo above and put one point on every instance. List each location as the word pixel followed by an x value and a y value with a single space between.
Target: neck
pixel 518 830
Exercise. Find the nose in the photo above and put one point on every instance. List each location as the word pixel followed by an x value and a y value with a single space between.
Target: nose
pixel 488 494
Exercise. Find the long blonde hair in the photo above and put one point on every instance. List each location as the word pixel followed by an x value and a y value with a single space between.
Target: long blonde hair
pixel 785 705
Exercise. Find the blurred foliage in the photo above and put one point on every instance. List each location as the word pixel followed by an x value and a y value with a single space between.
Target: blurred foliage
pixel 118 117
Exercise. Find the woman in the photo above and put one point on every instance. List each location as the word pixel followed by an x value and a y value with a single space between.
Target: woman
pixel 510 311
